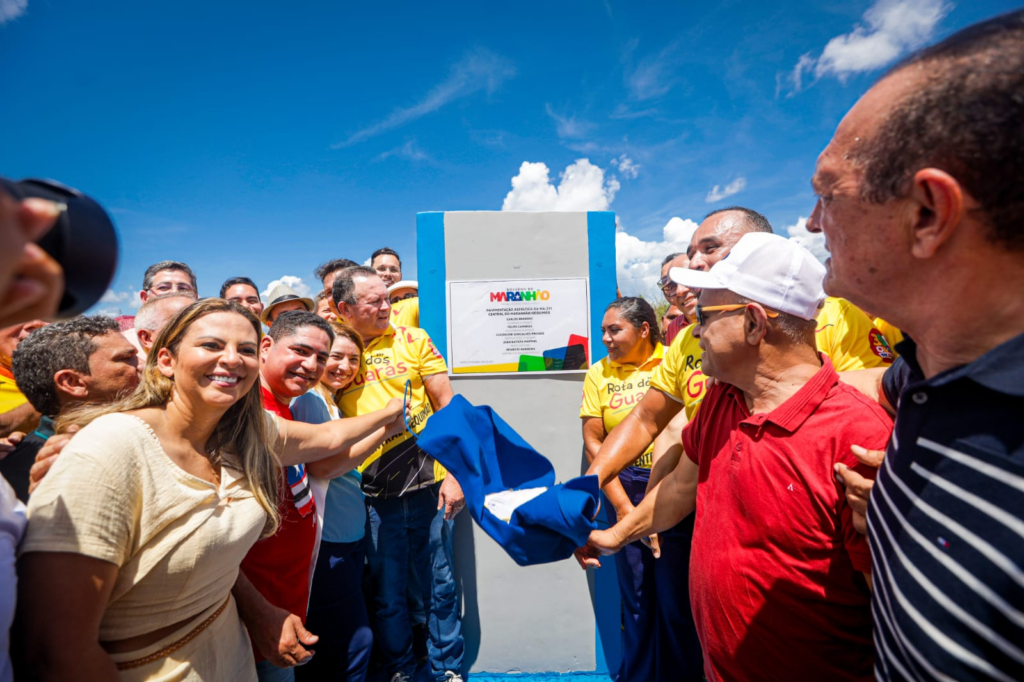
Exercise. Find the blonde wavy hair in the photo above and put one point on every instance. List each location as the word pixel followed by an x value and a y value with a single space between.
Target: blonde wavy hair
pixel 242 430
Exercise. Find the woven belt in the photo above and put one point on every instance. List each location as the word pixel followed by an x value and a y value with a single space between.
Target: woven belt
pixel 171 648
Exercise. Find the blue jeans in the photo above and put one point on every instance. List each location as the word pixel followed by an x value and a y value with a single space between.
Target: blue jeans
pixel 634 567
pixel 678 653
pixel 337 614
pixel 410 530
pixel 268 672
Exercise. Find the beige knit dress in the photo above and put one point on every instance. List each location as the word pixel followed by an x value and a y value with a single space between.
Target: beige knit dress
pixel 177 540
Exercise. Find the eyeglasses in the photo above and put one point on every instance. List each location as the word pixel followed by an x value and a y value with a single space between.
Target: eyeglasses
pixel 666 283
pixel 702 319
pixel 396 298
pixel 168 287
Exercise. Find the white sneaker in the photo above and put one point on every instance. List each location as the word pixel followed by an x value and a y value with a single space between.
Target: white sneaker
pixel 450 676
pixel 399 677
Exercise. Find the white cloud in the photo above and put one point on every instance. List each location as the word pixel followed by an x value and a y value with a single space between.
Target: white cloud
pixel 815 243
pixel 889 29
pixel 718 193
pixel 478 70
pixel 12 9
pixel 296 283
pixel 652 77
pixel 627 167
pixel 568 126
pixel 410 150
pixel 639 262
pixel 114 303
pixel 582 187
pixel 585 187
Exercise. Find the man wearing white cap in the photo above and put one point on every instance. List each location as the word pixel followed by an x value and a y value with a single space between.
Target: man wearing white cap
pixel 779 577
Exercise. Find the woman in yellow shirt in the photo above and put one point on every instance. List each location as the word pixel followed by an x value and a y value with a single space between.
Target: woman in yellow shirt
pixel 611 389
pixel 135 536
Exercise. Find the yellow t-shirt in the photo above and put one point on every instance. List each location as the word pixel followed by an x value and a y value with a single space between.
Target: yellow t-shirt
pixel 679 375
pixel 397 355
pixel 406 313
pixel 10 396
pixel 612 390
pixel 848 336
pixel 891 334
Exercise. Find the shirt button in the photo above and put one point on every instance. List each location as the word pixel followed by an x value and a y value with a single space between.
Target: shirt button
pixel 920 398
pixel 739 447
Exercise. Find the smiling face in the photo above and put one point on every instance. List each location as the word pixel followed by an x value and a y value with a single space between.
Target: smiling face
pixel 625 343
pixel 371 313
pixel 388 267
pixel 324 310
pixel 217 361
pixel 715 238
pixel 168 282
pixel 295 363
pixel 676 294
pixel 245 296
pixel 343 364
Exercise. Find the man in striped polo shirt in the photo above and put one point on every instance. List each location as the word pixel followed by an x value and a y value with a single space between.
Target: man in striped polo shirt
pixel 920 199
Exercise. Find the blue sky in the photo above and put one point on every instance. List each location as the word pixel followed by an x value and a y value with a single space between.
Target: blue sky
pixel 262 138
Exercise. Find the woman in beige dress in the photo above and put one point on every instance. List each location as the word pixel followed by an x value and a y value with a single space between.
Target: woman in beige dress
pixel 136 534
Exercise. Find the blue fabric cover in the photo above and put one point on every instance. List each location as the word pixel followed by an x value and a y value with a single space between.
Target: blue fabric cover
pixel 487 456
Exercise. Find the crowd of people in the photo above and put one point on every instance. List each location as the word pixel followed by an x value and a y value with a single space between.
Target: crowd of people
pixel 810 471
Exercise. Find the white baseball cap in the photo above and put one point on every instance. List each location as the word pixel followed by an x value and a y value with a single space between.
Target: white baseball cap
pixel 774 271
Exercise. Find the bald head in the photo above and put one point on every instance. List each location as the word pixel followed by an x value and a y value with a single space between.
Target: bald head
pixel 719 232
pixel 155 314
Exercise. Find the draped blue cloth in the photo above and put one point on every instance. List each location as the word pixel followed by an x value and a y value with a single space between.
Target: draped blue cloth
pixel 487 456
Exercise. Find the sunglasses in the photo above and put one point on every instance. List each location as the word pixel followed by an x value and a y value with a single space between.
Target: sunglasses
pixel 666 283
pixel 702 318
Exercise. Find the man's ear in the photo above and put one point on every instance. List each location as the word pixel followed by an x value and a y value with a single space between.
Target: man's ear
pixel 937 200
pixel 71 383
pixel 146 338
pixel 755 324
pixel 165 362
pixel 266 343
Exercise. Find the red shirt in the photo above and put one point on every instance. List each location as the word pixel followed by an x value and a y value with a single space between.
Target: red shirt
pixel 278 566
pixel 775 582
pixel 674 327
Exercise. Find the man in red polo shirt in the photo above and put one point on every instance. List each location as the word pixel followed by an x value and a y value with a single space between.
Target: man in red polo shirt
pixel 293 358
pixel 779 577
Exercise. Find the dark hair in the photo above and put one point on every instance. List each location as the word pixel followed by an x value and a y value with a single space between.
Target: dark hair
pixel 332 265
pixel 291 321
pixel 385 251
pixel 671 257
pixel 964 116
pixel 50 349
pixel 320 295
pixel 755 221
pixel 147 279
pixel 636 311
pixel 237 280
pixel 344 289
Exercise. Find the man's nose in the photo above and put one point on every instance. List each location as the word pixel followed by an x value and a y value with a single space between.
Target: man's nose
pixel 814 222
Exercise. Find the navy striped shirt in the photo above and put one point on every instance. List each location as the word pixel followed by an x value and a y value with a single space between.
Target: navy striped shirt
pixel 946 522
